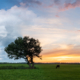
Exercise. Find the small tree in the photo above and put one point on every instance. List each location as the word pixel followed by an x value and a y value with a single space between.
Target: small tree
pixel 26 48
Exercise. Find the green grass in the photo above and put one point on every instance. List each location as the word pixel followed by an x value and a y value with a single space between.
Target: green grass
pixel 44 72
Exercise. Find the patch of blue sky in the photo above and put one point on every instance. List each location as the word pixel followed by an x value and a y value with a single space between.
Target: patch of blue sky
pixel 2 47
pixel 12 60
pixel 7 4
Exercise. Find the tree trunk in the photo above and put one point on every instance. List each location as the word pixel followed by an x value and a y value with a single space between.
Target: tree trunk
pixel 32 65
pixel 28 62
pixel 29 65
pixel 32 62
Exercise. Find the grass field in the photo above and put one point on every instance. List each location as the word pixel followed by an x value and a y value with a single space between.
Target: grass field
pixel 44 72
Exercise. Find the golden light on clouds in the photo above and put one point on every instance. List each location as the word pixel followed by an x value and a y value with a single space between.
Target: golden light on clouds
pixel 63 54
pixel 60 59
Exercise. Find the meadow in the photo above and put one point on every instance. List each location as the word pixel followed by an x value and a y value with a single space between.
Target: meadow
pixel 43 72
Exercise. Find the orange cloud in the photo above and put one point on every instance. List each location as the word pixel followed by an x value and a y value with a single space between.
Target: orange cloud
pixel 68 54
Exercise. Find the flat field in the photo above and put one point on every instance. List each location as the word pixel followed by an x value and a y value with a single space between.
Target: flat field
pixel 43 72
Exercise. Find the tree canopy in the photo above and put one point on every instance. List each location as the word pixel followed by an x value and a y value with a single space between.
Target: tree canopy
pixel 26 48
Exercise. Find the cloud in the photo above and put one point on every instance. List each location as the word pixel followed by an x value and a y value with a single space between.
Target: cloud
pixel 63 50
pixel 57 16
pixel 57 2
pixel 32 1
pixel 12 21
pixel 63 5
pixel 3 31
pixel 70 53
pixel 52 3
pixel 70 5
pixel 20 21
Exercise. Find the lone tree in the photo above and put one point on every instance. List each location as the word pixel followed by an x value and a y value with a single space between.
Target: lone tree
pixel 26 48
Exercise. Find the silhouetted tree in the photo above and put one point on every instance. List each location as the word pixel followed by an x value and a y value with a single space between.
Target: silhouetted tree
pixel 26 48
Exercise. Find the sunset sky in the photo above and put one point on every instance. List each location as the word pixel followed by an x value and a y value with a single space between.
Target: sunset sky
pixel 55 23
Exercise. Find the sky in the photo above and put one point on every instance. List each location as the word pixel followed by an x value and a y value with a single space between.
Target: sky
pixel 55 23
